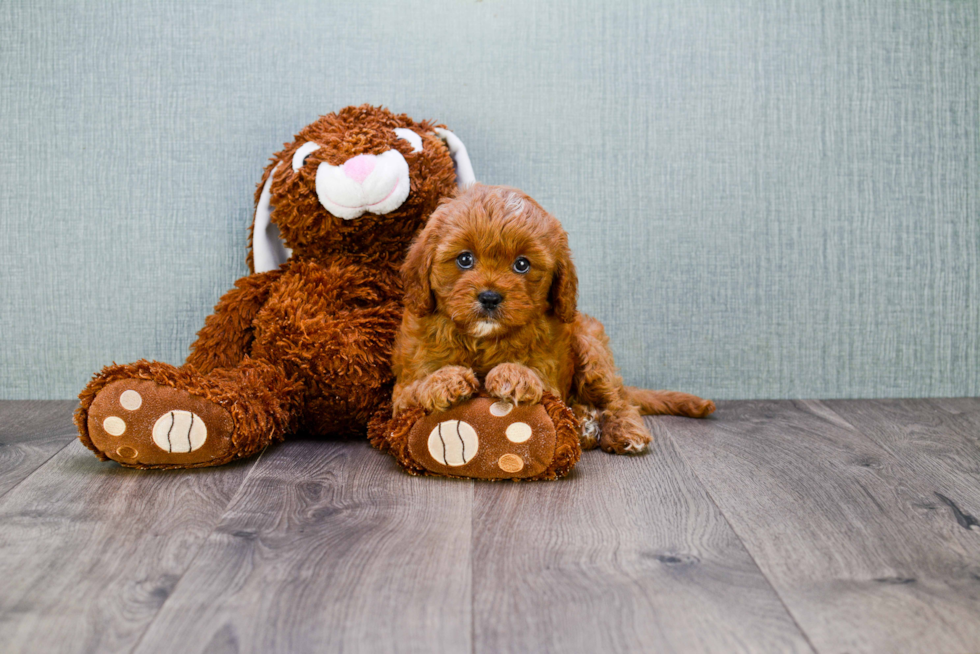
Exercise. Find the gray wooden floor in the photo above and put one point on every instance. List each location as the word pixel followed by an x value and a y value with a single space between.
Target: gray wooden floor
pixel 843 526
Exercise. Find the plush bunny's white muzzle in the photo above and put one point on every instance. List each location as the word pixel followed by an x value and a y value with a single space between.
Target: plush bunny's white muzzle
pixel 366 183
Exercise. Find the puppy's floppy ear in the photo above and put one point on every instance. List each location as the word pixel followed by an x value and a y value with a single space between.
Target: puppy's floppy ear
pixel 416 269
pixel 564 284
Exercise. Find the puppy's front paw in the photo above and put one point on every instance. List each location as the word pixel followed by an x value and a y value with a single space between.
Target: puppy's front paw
pixel 446 387
pixel 514 383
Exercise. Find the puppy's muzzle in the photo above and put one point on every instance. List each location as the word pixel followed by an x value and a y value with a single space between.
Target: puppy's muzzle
pixel 489 300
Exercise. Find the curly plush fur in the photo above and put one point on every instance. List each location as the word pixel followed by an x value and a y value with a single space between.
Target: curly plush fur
pixel 528 341
pixel 305 347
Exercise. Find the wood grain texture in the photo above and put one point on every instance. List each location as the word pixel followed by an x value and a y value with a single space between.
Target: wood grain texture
pixel 627 555
pixel 849 536
pixel 31 432
pixel 329 547
pixel 89 551
pixel 938 440
pixel 774 526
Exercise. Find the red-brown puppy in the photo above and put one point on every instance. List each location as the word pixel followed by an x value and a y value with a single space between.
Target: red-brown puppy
pixel 490 298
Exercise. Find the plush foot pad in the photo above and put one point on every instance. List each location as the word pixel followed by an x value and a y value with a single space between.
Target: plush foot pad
pixel 485 439
pixel 142 424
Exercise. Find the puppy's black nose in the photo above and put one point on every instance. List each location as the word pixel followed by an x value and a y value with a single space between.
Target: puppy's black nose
pixel 490 299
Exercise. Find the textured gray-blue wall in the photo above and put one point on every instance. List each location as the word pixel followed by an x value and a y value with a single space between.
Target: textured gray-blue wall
pixel 765 199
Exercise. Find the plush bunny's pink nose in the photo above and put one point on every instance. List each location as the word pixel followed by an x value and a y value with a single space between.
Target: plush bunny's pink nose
pixel 359 167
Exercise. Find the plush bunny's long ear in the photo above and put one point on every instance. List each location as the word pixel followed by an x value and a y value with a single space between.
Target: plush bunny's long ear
pixel 268 251
pixel 464 169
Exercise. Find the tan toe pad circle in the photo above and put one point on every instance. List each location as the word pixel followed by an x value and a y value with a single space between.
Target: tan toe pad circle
pixel 511 463
pixel 127 452
pixel 519 432
pixel 130 400
pixel 500 409
pixel 114 426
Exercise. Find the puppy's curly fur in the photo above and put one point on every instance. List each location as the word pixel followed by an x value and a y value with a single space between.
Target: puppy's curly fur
pixel 491 298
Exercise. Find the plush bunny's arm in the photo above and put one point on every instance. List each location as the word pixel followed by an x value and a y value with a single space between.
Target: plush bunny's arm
pixel 227 334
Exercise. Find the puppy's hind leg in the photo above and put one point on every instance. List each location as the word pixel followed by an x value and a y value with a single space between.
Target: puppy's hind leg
pixel 589 419
pixel 597 384
pixel 617 432
pixel 622 430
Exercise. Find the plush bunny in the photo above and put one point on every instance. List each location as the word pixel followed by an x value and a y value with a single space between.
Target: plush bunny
pixel 304 342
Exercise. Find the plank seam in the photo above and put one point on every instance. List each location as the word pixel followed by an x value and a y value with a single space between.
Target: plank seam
pixel 203 541
pixel 40 465
pixel 472 563
pixel 741 540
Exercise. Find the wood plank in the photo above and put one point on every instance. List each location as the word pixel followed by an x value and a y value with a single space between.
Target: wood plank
pixel 629 554
pixel 89 551
pixel 942 446
pixel 847 534
pixel 31 432
pixel 966 407
pixel 963 413
pixel 329 547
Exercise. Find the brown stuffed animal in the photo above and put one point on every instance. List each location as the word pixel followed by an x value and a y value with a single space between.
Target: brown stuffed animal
pixel 303 343
pixel 482 438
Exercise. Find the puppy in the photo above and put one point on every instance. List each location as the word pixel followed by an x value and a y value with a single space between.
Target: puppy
pixel 491 300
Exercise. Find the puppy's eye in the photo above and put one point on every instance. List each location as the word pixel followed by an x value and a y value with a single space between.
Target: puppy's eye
pixel 299 157
pixel 521 266
pixel 411 137
pixel 465 260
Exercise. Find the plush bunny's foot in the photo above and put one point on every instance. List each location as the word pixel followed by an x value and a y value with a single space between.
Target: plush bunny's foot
pixel 143 424
pixel 149 414
pixel 483 438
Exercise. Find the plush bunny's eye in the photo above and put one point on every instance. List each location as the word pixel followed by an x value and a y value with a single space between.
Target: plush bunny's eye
pixel 411 137
pixel 299 157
